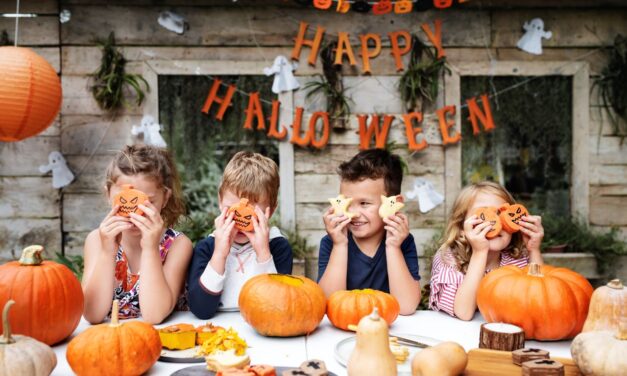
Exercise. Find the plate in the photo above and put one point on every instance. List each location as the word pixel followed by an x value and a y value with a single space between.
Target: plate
pixel 181 356
pixel 345 347
pixel 203 371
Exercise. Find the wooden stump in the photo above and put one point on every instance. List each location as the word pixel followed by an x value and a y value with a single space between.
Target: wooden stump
pixel 500 336
pixel 542 367
pixel 524 355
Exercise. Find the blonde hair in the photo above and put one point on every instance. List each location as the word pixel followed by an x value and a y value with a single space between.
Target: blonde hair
pixel 252 176
pixel 454 239
pixel 155 163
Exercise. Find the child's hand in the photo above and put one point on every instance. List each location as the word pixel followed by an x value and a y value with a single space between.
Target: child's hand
pixel 475 230
pixel 260 237
pixel 533 232
pixel 111 228
pixel 150 224
pixel 336 226
pixel 224 233
pixel 397 227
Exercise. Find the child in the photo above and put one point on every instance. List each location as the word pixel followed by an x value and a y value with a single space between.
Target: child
pixel 467 255
pixel 225 260
pixel 123 247
pixel 366 251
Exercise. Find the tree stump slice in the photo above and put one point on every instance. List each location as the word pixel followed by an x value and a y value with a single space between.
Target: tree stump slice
pixel 542 367
pixel 501 336
pixel 521 356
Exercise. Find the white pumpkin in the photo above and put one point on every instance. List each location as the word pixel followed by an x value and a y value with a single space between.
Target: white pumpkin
pixel 601 353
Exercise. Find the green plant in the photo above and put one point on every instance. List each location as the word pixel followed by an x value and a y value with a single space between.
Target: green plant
pixel 73 262
pixel 420 82
pixel 613 88
pixel 301 249
pixel 111 79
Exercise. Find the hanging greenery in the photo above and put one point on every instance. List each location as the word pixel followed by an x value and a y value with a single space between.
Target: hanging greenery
pixel 111 79
pixel 4 39
pixel 613 87
pixel 420 82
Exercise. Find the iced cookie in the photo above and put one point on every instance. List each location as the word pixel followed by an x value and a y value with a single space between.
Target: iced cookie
pixel 340 205
pixel 128 200
pixel 490 214
pixel 390 205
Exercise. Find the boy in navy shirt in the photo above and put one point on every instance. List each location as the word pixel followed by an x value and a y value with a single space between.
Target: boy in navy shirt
pixel 366 251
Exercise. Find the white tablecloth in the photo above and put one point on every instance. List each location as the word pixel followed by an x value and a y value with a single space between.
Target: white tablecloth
pixel 292 352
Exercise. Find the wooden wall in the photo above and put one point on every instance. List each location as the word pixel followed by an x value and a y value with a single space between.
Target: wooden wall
pixel 31 211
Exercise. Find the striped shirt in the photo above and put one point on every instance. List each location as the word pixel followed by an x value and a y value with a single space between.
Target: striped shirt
pixel 446 279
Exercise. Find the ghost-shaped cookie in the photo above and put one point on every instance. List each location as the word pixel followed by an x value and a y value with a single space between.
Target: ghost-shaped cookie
pixel 390 205
pixel 340 205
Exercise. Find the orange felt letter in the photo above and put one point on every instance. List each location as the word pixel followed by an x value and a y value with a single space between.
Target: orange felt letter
pixel 213 97
pixel 366 132
pixel 296 138
pixel 254 110
pixel 313 43
pixel 366 54
pixel 322 142
pixel 343 47
pixel 435 38
pixel 412 131
pixel 397 52
pixel 445 125
pixel 274 132
pixel 484 117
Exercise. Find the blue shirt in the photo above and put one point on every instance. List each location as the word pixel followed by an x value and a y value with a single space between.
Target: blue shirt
pixel 365 272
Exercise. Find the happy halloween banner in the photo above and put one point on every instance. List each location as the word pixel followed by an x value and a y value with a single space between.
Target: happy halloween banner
pixel 316 133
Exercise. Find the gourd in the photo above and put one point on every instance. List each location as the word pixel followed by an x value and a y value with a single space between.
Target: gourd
pixel 607 306
pixel 444 359
pixel 21 355
pixel 601 353
pixel 372 354
pixel 346 308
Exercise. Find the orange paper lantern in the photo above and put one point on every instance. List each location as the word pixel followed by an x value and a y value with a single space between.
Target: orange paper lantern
pixel 30 93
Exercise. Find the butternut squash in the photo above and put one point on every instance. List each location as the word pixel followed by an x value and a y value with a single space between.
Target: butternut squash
pixel 445 359
pixel 372 354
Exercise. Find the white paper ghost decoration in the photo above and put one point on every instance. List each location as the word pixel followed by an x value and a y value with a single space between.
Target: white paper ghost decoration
pixel 284 79
pixel 426 195
pixel 150 130
pixel 173 22
pixel 531 42
pixel 61 174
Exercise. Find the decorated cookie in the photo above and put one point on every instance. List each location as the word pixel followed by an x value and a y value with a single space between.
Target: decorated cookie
pixel 222 360
pixel 340 205
pixel 128 200
pixel 313 367
pixel 178 337
pixel 511 215
pixel 491 215
pixel 390 205
pixel 244 213
pixel 262 370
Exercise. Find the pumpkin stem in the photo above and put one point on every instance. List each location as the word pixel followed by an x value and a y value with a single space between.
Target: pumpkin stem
pixel 615 284
pixel 6 335
pixel 115 310
pixel 535 270
pixel 375 314
pixel 31 255
pixel 622 330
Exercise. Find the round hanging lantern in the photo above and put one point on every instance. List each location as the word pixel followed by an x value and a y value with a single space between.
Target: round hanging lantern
pixel 30 93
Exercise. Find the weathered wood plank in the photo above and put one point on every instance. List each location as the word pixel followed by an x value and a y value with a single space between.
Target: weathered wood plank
pixel 609 190
pixel 74 242
pixel 608 174
pixel 23 158
pixel 28 197
pixel 594 56
pixel 18 233
pixel 31 6
pixel 90 173
pixel 83 212
pixel 82 134
pixel 607 210
pixel 78 100
pixel 52 56
pixel 36 31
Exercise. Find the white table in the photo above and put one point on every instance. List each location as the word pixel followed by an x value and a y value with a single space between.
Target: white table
pixel 293 351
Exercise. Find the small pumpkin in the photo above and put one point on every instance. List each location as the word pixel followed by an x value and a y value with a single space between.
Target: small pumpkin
pixel 372 354
pixel 45 292
pixel 601 353
pixel 114 349
pixel 21 355
pixel 281 305
pixel 607 306
pixel 444 359
pixel 244 213
pixel 346 308
pixel 548 303
pixel 128 199
pixel 490 214
pixel 511 215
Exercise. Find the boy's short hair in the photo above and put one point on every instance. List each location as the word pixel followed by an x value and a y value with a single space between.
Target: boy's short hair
pixel 374 164
pixel 252 176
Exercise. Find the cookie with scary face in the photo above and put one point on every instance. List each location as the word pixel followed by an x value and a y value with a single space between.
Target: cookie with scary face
pixel 491 215
pixel 129 200
pixel 244 213
pixel 511 215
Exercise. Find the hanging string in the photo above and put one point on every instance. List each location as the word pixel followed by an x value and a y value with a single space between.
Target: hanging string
pixel 17 21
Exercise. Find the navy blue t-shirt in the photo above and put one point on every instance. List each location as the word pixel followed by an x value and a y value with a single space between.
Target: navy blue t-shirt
pixel 365 272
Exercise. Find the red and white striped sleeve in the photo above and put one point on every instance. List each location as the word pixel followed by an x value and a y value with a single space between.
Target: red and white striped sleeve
pixel 445 280
pixel 507 259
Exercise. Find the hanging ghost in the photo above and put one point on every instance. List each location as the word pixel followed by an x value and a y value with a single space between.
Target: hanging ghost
pixel 173 22
pixel 61 174
pixel 150 129
pixel 531 42
pixel 423 191
pixel 284 79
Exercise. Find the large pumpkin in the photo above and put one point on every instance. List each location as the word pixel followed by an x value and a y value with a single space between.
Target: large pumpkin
pixel 281 305
pixel 114 349
pixel 548 303
pixel 346 308
pixel 49 298
pixel 607 307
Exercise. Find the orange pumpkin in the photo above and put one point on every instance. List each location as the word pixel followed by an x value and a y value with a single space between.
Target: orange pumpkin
pixel 348 307
pixel 490 214
pixel 244 213
pixel 511 215
pixel 548 303
pixel 48 295
pixel 129 199
pixel 114 349
pixel 281 305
